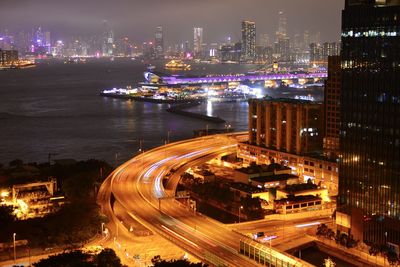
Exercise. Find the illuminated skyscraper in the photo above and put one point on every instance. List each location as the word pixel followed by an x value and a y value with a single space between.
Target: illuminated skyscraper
pixel 159 42
pixel 248 40
pixel 197 40
pixel 107 40
pixel 369 185
pixel 281 33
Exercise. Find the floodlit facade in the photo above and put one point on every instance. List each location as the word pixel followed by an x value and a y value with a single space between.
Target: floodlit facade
pixel 293 126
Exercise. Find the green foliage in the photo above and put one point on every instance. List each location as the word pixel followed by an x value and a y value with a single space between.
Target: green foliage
pixel 6 215
pixel 78 258
pixel 108 258
pixel 75 258
pixel 72 224
pixel 158 262
pixel 392 257
pixel 252 208
pixel 15 163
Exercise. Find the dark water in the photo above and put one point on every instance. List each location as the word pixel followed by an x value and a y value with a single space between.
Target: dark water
pixel 55 108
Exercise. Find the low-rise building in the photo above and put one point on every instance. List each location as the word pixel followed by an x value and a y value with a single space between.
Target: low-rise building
pixel 298 204
pixel 320 170
pixel 36 199
pixel 246 174
pixel 302 190
pixel 241 190
pixel 275 180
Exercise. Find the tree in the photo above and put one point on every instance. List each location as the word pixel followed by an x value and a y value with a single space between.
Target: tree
pixel 6 215
pixel 15 163
pixel 108 258
pixel 374 250
pixel 392 257
pixel 75 258
pixel 158 262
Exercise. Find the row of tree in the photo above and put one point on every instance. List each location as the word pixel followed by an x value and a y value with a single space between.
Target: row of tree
pixel 78 258
pixel 341 238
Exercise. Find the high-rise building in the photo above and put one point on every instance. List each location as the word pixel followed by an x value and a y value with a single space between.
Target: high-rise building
pixel 248 40
pixel 159 42
pixel 107 40
pixel 264 40
pixel 306 40
pixel 282 49
pixel 8 57
pixel 316 53
pixel 231 52
pixel 369 185
pixel 330 49
pixel 281 33
pixel 293 126
pixel 332 106
pixel 197 40
pixel 47 41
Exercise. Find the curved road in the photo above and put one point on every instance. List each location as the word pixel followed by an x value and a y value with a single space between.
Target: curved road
pixel 137 187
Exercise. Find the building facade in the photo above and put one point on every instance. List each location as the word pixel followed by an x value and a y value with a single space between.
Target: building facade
pixel 159 42
pixel 369 183
pixel 197 40
pixel 332 106
pixel 8 57
pixel 248 40
pixel 293 126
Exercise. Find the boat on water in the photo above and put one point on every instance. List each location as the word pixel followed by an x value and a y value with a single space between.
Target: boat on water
pixel 177 64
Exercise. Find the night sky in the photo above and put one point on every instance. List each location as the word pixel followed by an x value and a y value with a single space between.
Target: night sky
pixel 138 18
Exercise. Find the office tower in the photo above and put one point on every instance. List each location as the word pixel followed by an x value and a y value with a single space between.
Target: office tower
pixel 159 42
pixel 248 40
pixel 292 126
pixel 231 52
pixel 264 40
pixel 282 49
pixel 107 40
pixel 306 40
pixel 315 53
pixel 197 40
pixel 332 106
pixel 330 49
pixel 281 33
pixel 296 41
pixel 369 185
pixel 8 57
pixel 47 41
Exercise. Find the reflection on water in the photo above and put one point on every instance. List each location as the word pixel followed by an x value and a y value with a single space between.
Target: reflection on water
pixel 56 108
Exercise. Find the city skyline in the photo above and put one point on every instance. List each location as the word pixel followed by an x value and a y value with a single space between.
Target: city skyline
pixel 219 20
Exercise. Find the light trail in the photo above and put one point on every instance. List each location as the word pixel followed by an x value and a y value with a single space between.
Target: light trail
pixel 307 224
pixel 179 236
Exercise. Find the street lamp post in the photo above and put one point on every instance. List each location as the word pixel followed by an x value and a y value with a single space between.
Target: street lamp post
pixel 168 133
pixel 270 252
pixel 240 208
pixel 15 250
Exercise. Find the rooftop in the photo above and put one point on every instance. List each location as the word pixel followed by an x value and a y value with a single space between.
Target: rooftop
pixel 274 178
pixel 263 168
pixel 297 199
pixel 247 188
